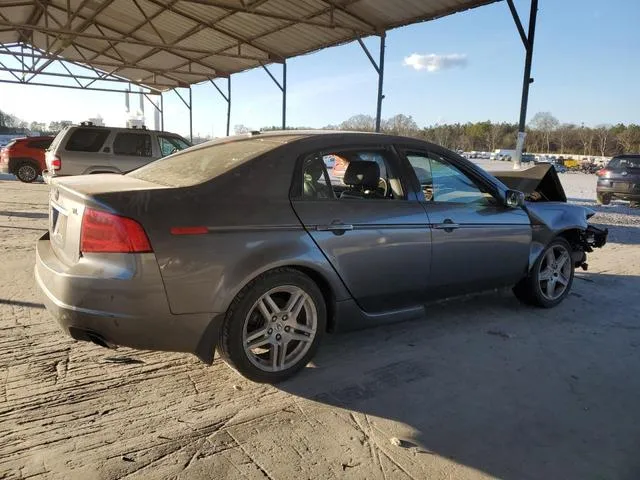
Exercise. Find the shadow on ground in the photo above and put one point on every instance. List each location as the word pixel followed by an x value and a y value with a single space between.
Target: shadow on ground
pixel 10 213
pixel 19 303
pixel 547 394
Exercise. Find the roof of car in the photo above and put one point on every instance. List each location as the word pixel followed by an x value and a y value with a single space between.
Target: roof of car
pixel 40 137
pixel 106 127
pixel 628 155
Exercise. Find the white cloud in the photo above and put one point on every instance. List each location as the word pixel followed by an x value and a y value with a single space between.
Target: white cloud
pixel 433 62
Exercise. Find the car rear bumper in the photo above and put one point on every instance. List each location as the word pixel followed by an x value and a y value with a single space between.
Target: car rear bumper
pixel 619 189
pixel 120 307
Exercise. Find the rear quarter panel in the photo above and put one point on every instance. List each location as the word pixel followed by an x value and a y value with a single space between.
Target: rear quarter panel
pixel 252 229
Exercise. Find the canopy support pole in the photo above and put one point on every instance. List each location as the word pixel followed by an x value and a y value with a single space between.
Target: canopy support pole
pixel 283 88
pixel 379 68
pixel 528 42
pixel 227 98
pixel 189 105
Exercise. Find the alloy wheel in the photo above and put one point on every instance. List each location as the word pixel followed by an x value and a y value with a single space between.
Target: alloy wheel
pixel 27 173
pixel 280 328
pixel 555 272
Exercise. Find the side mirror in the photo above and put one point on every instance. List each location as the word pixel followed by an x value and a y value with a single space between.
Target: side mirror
pixel 514 199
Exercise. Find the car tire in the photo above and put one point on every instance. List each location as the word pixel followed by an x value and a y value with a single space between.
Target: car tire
pixel 27 172
pixel 252 342
pixel 535 290
pixel 603 198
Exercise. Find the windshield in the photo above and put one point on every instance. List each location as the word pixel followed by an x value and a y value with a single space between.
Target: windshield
pixel 204 163
pixel 624 162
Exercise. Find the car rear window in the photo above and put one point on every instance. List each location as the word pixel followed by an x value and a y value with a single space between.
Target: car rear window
pixel 86 139
pixel 204 163
pixel 624 162
pixel 42 144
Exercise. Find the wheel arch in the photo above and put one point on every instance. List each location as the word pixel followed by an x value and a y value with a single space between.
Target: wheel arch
pixel 571 234
pixel 209 340
pixel 15 162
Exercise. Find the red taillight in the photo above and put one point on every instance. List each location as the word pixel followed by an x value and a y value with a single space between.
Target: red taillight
pixel 602 172
pixel 108 233
pixel 56 163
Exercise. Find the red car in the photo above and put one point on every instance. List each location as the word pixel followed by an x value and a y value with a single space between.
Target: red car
pixel 24 157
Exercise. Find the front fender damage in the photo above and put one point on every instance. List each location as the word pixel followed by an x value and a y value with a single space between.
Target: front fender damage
pixel 552 219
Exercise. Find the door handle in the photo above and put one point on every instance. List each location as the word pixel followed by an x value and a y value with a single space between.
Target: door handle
pixel 447 225
pixel 334 227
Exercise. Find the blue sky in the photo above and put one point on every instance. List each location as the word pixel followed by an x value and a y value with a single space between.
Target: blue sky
pixel 586 69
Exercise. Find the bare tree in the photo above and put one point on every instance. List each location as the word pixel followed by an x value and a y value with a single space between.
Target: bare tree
pixel 565 132
pixel 400 125
pixel 586 138
pixel 545 123
pixel 629 138
pixel 360 123
pixel 602 135
pixel 241 129
pixel 494 134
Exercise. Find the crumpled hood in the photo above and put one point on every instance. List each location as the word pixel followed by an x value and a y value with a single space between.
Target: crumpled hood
pixel 538 183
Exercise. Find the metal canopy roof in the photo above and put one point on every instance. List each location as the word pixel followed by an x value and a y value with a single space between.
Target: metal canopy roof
pixel 163 44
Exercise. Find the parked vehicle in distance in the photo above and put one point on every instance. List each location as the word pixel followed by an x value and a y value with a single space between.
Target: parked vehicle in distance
pixel 24 157
pixel 196 252
pixel 502 154
pixel 89 149
pixel 619 179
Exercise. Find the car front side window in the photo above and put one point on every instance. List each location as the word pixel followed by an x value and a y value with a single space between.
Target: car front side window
pixel 440 181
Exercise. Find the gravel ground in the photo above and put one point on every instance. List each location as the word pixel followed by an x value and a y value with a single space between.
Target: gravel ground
pixel 483 388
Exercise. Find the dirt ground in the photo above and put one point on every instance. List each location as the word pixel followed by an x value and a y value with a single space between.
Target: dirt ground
pixel 482 388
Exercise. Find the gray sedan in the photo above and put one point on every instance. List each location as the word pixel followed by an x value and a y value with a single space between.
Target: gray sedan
pixel 251 247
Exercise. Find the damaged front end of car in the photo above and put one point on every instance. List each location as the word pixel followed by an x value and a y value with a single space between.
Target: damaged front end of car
pixel 551 215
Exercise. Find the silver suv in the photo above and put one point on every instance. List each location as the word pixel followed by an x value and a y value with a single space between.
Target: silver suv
pixel 86 148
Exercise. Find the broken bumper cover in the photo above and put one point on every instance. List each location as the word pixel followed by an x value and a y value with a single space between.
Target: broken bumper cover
pixel 594 237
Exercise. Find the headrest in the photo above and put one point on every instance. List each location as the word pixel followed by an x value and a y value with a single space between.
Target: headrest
pixel 362 173
pixel 314 170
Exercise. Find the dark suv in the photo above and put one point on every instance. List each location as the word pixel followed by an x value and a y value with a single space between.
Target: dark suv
pixel 619 179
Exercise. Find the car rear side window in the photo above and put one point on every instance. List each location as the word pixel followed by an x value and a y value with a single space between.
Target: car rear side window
pixel 132 144
pixel 355 174
pixel 86 140
pixel 203 163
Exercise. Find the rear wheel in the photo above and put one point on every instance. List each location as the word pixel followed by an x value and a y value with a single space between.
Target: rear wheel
pixel 603 198
pixel 274 325
pixel 27 172
pixel 551 277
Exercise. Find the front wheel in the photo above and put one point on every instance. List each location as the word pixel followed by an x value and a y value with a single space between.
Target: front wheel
pixel 551 277
pixel 274 326
pixel 27 172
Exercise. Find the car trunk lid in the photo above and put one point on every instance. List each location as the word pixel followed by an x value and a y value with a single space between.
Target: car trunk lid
pixel 68 199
